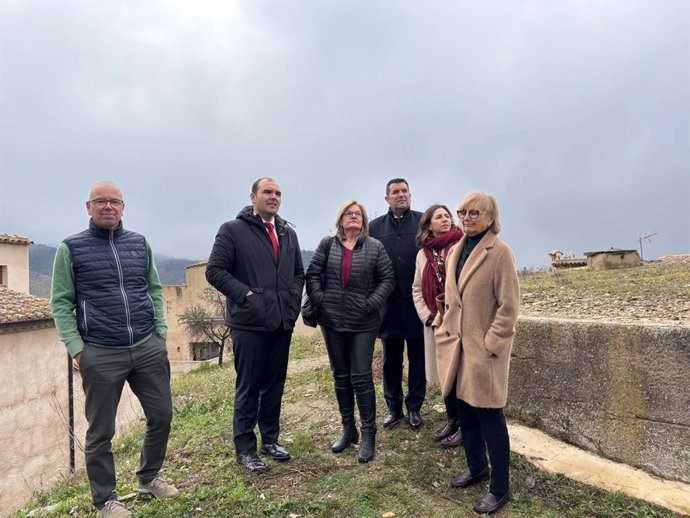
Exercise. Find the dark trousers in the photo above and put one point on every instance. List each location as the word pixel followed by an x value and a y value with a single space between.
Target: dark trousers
pixel 393 373
pixel 261 360
pixel 451 403
pixel 104 371
pixel 484 428
pixel 351 356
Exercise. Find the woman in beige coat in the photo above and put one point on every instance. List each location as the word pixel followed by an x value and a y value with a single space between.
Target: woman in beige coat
pixel 436 235
pixel 473 342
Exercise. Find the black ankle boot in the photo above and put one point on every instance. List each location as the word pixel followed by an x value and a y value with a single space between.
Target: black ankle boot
pixel 367 449
pixel 349 436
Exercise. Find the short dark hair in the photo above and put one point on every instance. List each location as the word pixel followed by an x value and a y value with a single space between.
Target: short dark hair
pixel 395 180
pixel 255 185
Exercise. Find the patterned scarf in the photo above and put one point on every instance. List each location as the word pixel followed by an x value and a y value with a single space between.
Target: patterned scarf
pixel 434 274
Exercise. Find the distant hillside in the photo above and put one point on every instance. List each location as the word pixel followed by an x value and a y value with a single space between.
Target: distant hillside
pixel 170 269
pixel 41 257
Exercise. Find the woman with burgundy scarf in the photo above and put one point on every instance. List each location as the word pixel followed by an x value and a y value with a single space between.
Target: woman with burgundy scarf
pixel 436 235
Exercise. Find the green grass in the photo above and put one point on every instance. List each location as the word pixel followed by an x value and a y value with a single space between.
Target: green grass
pixel 665 280
pixel 409 476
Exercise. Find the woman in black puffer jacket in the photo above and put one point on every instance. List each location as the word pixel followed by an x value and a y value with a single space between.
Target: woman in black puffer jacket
pixel 349 279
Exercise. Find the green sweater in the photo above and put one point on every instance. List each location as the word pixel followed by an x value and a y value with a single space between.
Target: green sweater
pixel 62 300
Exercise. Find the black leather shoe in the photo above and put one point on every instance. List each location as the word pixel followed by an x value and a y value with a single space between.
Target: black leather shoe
pixel 252 463
pixel 276 452
pixel 446 430
pixel 490 504
pixel 452 441
pixel 467 479
pixel 392 418
pixel 415 420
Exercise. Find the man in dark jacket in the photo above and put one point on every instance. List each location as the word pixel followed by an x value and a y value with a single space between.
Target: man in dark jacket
pixel 257 264
pixel 107 302
pixel 399 322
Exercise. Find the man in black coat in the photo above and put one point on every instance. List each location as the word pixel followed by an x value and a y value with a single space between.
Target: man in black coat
pixel 399 322
pixel 257 264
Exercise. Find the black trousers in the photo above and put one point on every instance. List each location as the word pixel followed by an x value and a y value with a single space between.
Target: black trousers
pixel 104 371
pixel 393 349
pixel 482 428
pixel 351 356
pixel 451 403
pixel 261 360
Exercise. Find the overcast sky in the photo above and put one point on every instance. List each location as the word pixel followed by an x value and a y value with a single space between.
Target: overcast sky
pixel 575 114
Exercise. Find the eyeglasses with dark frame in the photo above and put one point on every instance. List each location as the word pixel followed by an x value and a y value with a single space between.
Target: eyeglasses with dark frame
pixel 473 214
pixel 99 202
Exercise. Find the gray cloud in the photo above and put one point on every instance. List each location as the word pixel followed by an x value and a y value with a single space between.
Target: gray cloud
pixel 576 115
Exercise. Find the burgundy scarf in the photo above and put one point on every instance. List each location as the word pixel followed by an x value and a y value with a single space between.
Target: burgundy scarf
pixel 434 274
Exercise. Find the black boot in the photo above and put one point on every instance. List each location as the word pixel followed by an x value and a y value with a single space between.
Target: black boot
pixel 349 436
pixel 345 395
pixel 367 449
pixel 367 412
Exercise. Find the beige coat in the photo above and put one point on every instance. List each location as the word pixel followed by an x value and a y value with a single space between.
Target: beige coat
pixel 475 337
pixel 423 311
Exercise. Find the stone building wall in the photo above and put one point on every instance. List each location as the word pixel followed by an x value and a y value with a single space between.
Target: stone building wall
pixel 609 260
pixel 34 413
pixel 14 259
pixel 177 299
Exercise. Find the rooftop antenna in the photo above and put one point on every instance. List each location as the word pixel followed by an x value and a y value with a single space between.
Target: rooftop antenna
pixel 645 238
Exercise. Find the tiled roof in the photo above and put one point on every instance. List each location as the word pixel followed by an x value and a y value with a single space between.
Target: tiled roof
pixel 16 306
pixel 15 239
pixel 200 263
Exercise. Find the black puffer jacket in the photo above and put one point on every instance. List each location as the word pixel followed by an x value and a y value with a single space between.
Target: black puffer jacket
pixel 355 307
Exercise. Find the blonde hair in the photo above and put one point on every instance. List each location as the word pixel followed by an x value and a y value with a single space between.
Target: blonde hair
pixel 487 202
pixel 341 213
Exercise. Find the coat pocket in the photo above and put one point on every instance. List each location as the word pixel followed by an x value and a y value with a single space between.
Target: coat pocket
pixel 293 305
pixel 250 312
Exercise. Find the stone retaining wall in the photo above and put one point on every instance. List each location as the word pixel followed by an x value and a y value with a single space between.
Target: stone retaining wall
pixel 620 390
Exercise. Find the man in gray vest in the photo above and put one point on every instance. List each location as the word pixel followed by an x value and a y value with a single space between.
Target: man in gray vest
pixel 107 302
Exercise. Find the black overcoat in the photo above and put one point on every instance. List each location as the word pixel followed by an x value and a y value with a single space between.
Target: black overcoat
pixel 399 317
pixel 242 259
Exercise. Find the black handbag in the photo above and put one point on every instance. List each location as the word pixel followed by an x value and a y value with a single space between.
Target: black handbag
pixel 310 311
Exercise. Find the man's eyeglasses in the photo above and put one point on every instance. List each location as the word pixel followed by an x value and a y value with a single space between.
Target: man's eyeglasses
pixel 473 214
pixel 102 203
pixel 353 214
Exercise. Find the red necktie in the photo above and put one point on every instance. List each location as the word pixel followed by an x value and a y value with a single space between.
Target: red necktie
pixel 274 239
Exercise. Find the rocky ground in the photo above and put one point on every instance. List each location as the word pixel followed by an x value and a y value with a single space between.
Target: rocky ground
pixel 655 292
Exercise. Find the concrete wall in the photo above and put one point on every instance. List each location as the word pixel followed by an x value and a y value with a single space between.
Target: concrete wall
pixel 16 257
pixel 34 447
pixel 618 390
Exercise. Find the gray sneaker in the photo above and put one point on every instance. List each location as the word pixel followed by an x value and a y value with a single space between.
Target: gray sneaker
pixel 158 488
pixel 113 509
